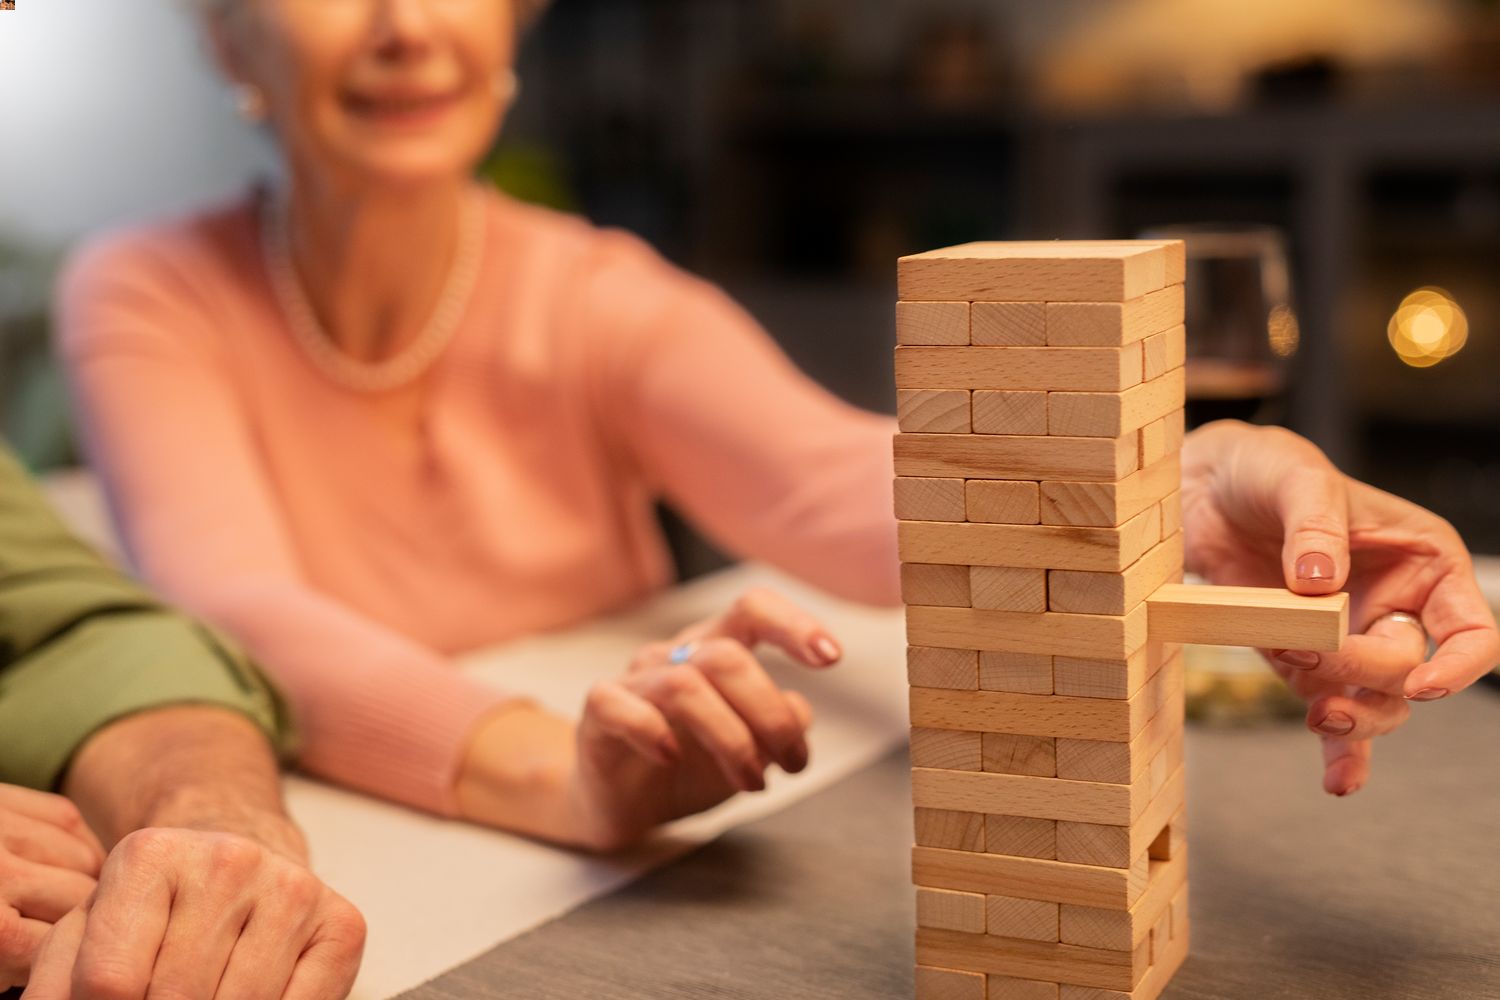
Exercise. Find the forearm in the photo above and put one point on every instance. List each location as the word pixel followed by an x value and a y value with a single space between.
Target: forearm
pixel 195 767
pixel 517 774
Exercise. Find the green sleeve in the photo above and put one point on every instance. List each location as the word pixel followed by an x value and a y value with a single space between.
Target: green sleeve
pixel 81 645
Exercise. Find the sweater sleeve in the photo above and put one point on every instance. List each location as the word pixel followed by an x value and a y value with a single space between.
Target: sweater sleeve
pixel 768 463
pixel 159 412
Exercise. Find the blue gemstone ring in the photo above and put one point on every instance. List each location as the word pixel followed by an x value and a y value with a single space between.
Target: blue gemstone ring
pixel 682 654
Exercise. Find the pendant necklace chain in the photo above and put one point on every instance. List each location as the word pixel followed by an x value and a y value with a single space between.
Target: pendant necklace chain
pixel 413 360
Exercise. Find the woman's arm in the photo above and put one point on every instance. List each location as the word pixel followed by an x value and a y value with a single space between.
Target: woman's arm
pixel 770 464
pixel 375 710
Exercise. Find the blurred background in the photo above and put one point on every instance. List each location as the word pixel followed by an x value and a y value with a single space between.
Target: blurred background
pixel 1335 165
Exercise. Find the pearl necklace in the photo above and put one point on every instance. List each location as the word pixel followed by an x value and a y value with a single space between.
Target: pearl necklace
pixel 418 356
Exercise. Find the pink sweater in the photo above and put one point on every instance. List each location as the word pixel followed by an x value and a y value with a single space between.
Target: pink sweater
pixel 587 378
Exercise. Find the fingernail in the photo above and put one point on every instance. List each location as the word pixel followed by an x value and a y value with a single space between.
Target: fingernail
pixel 796 759
pixel 1315 566
pixel 1429 694
pixel 827 648
pixel 1337 724
pixel 1300 658
pixel 1350 790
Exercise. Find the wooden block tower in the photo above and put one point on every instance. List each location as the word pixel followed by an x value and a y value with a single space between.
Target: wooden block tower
pixel 1041 390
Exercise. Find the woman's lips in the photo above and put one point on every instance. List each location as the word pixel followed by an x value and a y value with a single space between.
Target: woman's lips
pixel 401 110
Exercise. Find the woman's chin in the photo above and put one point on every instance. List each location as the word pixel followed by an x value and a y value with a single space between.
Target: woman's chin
pixel 413 167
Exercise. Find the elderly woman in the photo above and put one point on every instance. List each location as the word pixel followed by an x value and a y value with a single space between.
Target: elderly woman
pixel 382 416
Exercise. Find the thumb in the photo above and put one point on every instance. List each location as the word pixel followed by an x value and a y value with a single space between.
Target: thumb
pixel 1314 508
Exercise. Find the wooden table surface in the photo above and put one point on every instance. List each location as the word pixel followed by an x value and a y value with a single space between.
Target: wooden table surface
pixel 1394 892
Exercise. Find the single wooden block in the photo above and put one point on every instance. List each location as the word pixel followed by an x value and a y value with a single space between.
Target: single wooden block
pixel 1122 763
pixel 1065 963
pixel 1021 673
pixel 1040 798
pixel 1011 988
pixel 947 748
pixel 1161 352
pixel 1172 840
pixel 1111 324
pixel 1002 456
pixel 933 667
pixel 1153 441
pixel 1014 917
pixel 1114 593
pixel 1045 369
pixel 1008 324
pixel 956 911
pixel 1030 714
pixel 1117 846
pixel 948 984
pixel 1026 878
pixel 932 324
pixel 1124 930
pixel 952 830
pixel 1151 986
pixel 1112 414
pixel 1033 546
pixel 926 499
pixel 1011 753
pixel 1002 501
pixel 933 411
pixel 1108 504
pixel 1007 588
pixel 1108 678
pixel 1000 412
pixel 1171 514
pixel 1020 836
pixel 1264 617
pixel 1180 913
pixel 1176 427
pixel 1040 271
pixel 929 583
pixel 1055 633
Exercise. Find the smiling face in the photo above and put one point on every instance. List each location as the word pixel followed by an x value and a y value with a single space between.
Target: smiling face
pixel 398 91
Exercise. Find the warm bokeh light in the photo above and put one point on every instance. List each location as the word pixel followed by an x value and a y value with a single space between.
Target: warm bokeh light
pixel 1282 331
pixel 1428 327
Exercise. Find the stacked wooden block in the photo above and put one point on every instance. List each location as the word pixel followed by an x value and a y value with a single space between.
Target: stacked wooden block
pixel 1040 396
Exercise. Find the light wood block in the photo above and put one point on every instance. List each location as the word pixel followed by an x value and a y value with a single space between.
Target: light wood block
pixel 954 830
pixel 1031 714
pixel 1109 504
pixel 927 499
pixel 1153 442
pixel 933 667
pixel 1161 352
pixel 1026 878
pixel 1014 917
pixel 1171 514
pixel 1109 678
pixel 1180 913
pixel 929 583
pixel 948 984
pixel 1112 845
pixel 1011 988
pixel 1122 763
pixel 1031 959
pixel 1107 324
pixel 1040 798
pixel 946 748
pixel 1045 369
pixel 1041 271
pixel 1112 414
pixel 1124 930
pixel 1172 841
pixel 1021 673
pixel 1033 546
pixel 1248 616
pixel 932 324
pixel 1020 836
pixel 1157 978
pixel 999 412
pixel 1176 426
pixel 1002 501
pixel 955 911
pixel 1011 753
pixel 1055 633
pixel 1008 324
pixel 1001 456
pixel 933 411
pixel 1006 588
pixel 1115 593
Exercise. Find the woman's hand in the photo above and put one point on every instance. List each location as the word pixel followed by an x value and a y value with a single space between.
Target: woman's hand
pixel 49 860
pixel 690 723
pixel 1264 507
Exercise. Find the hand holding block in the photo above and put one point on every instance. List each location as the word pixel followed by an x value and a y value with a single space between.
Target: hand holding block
pixel 1265 617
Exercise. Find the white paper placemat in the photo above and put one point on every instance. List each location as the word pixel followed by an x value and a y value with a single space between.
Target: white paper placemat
pixel 438 893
